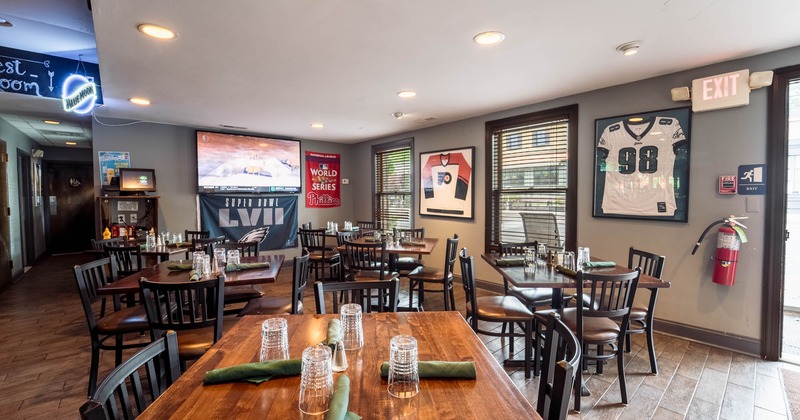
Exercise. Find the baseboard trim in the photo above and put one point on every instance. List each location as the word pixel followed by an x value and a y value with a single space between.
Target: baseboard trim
pixel 488 285
pixel 713 338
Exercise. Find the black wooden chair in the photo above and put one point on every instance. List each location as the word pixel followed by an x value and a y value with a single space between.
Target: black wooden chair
pixel 560 362
pixel 641 321
pixel 106 325
pixel 324 261
pixel 190 235
pixel 423 276
pixel 498 309
pixel 97 244
pixel 135 384
pixel 246 249
pixel 341 238
pixel 293 304
pixel 407 264
pixel 365 224
pixel 128 259
pixel 367 261
pixel 206 245
pixel 383 292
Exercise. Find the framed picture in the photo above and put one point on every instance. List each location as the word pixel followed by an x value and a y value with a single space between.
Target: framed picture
pixel 642 165
pixel 446 178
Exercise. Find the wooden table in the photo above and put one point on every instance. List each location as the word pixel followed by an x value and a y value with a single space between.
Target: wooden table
pixel 394 249
pixel 162 252
pixel 160 273
pixel 440 335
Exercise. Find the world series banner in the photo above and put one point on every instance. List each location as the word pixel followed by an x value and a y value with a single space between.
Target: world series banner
pixel 322 180
pixel 269 220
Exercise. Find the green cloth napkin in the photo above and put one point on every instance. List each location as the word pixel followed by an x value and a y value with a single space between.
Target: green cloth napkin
pixel 596 264
pixel 566 271
pixel 194 275
pixel 179 267
pixel 439 369
pixel 334 333
pixel 246 266
pixel 340 401
pixel 510 261
pixel 254 372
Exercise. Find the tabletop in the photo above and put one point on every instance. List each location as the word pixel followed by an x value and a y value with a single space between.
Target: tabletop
pixel 160 273
pixel 440 336
pixel 425 248
pixel 162 251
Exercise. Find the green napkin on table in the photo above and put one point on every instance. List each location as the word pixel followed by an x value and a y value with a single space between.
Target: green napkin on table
pixel 510 262
pixel 194 275
pixel 340 401
pixel 179 267
pixel 596 264
pixel 246 266
pixel 334 333
pixel 254 372
pixel 439 369
pixel 566 271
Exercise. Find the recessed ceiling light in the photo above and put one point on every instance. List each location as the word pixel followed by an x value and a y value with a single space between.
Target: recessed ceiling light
pixel 70 143
pixel 140 101
pixel 52 122
pixel 157 31
pixel 629 48
pixel 489 38
pixel 406 94
pixel 317 125
pixel 6 23
pixel 636 119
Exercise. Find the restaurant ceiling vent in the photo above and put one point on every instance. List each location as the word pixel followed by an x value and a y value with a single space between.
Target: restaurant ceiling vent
pixel 61 133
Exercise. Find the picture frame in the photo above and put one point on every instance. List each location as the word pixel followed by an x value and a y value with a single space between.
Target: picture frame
pixel 641 165
pixel 447 183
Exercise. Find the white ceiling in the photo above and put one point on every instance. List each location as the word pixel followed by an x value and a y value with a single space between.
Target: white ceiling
pixel 276 66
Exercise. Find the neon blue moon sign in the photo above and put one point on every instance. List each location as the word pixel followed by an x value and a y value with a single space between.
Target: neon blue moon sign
pixel 78 94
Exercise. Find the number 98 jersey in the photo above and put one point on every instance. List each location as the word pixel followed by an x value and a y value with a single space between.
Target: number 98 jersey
pixel 639 164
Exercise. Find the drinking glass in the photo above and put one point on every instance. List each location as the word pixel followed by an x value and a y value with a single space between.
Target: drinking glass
pixel 274 340
pixel 316 380
pixel 569 260
pixel 403 368
pixel 233 256
pixel 206 270
pixel 530 261
pixel 541 250
pixel 165 237
pixel 219 254
pixel 583 255
pixel 352 330
pixel 197 261
pixel 177 238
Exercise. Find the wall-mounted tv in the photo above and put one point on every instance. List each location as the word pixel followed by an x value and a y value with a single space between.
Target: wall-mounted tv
pixel 137 180
pixel 238 163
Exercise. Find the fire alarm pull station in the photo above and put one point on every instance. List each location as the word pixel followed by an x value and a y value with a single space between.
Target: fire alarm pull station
pixel 727 184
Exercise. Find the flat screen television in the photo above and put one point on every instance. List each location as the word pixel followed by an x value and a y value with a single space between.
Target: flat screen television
pixel 238 163
pixel 137 180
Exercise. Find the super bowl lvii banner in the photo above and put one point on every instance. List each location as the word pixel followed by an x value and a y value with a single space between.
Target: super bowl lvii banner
pixel 269 220
pixel 322 180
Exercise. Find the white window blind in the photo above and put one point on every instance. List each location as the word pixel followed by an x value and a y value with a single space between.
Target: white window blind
pixel 393 193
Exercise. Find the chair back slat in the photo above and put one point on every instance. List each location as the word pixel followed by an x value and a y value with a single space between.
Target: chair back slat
pixel 312 239
pixel 450 256
pixel 516 248
pixel 366 257
pixel 560 359
pixel 184 305
pixel 190 235
pixel 468 281
pixel 365 224
pixel 299 280
pixel 361 292
pixel 651 264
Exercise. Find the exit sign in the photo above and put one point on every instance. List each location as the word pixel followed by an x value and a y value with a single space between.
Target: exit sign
pixel 721 91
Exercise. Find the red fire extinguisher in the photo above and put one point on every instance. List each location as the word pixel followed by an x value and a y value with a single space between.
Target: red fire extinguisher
pixel 729 238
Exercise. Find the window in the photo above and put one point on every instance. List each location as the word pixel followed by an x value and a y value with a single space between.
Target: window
pixel 393 169
pixel 533 186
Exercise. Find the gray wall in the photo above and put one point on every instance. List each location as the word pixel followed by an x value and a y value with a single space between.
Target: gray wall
pixel 720 141
pixel 171 150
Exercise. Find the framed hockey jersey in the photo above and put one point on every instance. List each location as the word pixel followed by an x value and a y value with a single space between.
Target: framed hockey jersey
pixel 642 165
pixel 446 183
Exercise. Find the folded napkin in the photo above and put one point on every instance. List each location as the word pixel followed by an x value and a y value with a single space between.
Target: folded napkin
pixel 439 369
pixel 596 264
pixel 334 333
pixel 194 275
pixel 371 239
pixel 254 372
pixel 510 261
pixel 408 242
pixel 246 266
pixel 566 271
pixel 340 401
pixel 179 267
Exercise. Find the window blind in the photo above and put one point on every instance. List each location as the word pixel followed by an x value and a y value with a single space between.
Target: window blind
pixel 393 194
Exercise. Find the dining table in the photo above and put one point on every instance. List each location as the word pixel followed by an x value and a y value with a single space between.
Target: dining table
pixel 161 272
pixel 443 336
pixel 417 246
pixel 161 252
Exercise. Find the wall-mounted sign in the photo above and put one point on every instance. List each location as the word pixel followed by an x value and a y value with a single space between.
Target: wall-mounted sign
pixel 721 91
pixel 752 179
pixel 727 184
pixel 43 75
pixel 78 94
pixel 322 180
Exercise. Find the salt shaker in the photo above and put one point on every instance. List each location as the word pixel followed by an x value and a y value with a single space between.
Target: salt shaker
pixel 339 363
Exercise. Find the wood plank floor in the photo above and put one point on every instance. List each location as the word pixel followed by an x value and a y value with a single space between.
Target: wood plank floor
pixel 44 362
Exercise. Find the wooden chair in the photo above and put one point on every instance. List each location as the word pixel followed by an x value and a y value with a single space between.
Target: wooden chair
pixel 341 238
pixel 192 309
pixel 560 363
pixel 97 244
pixel 156 367
pixel 361 292
pixel 367 261
pixel 423 276
pixel 641 321
pixel 127 258
pixel 206 244
pixel 243 293
pixel 541 227
pixel 191 235
pixel 364 224
pixel 106 325
pixel 325 262
pixel 293 304
pixel 306 225
pixel 497 309
pixel 407 264
pixel 246 249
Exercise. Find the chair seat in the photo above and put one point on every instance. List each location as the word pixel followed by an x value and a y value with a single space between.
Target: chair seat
pixel 638 312
pixel 270 305
pixel 125 320
pixel 317 256
pixel 542 296
pixel 502 308
pixel 595 330
pixel 366 275
pixel 407 263
pixel 428 274
pixel 242 293
pixel 194 343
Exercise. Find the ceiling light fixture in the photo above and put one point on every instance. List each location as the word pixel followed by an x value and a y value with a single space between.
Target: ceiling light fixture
pixel 397 115
pixel 406 94
pixel 140 101
pixel 629 48
pixel 70 143
pixel 157 31
pixel 317 125
pixel 635 119
pixel 489 38
pixel 53 122
pixel 5 23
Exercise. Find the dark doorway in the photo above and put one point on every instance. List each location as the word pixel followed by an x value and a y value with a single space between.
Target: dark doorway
pixel 25 207
pixel 5 234
pixel 69 202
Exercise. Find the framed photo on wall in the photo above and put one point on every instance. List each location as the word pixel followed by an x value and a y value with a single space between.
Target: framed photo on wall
pixel 446 183
pixel 641 168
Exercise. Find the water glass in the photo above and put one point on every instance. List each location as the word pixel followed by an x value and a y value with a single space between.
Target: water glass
pixel 206 269
pixel 403 368
pixel 352 329
pixel 569 260
pixel 177 238
pixel 583 255
pixel 274 340
pixel 219 254
pixel 233 256
pixel 316 380
pixel 530 261
pixel 165 237
pixel 541 250
pixel 197 260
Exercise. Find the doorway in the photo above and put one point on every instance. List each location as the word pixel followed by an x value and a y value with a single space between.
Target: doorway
pixel 69 203
pixel 5 232
pixel 790 348
pixel 25 207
